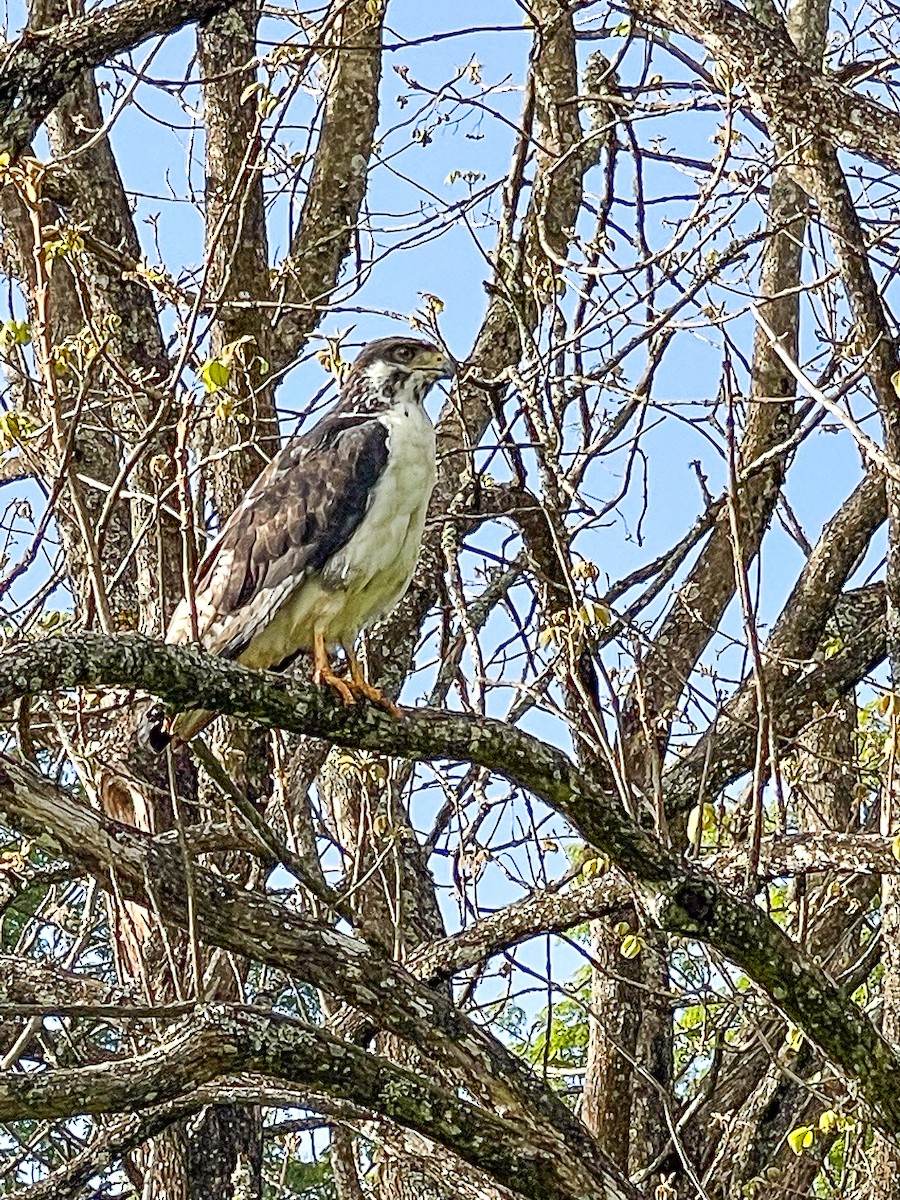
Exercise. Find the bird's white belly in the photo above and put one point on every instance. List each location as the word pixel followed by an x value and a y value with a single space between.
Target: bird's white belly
pixel 374 569
pixel 369 575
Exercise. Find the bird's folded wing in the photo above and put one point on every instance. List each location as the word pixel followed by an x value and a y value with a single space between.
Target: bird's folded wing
pixel 300 511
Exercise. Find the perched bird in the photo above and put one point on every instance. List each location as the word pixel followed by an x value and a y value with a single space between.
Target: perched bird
pixel 327 537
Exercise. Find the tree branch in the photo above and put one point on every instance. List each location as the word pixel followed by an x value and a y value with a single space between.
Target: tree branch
pixel 339 178
pixel 678 898
pixel 223 1039
pixel 726 750
pixel 791 94
pixel 42 66
pixel 249 924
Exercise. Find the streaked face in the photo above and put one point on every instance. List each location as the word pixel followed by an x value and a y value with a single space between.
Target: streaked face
pixel 395 370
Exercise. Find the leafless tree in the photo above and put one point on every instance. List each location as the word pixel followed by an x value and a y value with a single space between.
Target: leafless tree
pixel 612 911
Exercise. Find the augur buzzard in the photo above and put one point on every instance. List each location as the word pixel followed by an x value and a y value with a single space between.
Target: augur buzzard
pixel 326 539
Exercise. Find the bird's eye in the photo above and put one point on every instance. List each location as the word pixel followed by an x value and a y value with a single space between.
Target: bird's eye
pixel 404 354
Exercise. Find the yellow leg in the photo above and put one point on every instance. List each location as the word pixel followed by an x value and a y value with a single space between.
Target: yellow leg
pixel 322 672
pixel 361 686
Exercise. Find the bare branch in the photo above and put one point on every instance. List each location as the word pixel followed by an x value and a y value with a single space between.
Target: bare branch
pixel 679 899
pixel 791 93
pixel 221 1039
pixel 43 65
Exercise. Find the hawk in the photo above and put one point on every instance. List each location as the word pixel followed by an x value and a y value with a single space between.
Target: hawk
pixel 327 537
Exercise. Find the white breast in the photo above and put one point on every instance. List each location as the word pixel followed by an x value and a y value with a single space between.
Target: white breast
pixel 375 567
pixel 370 574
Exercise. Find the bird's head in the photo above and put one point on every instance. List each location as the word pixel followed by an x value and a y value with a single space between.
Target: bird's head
pixel 395 369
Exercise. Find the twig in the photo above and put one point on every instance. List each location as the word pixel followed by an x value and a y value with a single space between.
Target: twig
pixel 868 448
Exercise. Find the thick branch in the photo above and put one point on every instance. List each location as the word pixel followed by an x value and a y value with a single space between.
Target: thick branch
pixel 844 541
pixel 681 900
pixel 544 912
pixel 42 66
pixel 222 1039
pixel 799 853
pixel 790 92
pixel 249 924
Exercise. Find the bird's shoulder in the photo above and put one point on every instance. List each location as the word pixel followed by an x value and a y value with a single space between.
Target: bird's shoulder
pixel 337 438
pixel 302 508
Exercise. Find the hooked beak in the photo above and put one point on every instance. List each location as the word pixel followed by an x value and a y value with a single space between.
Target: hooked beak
pixel 437 364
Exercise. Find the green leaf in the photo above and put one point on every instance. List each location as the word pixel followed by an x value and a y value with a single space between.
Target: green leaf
pixel 801 1139
pixel 829 1121
pixel 15 427
pixel 700 820
pixel 631 945
pixel 15 333
pixel 267 104
pixel 833 645
pixel 215 374
pixel 250 90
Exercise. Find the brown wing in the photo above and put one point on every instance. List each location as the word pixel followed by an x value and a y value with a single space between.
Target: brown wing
pixel 303 508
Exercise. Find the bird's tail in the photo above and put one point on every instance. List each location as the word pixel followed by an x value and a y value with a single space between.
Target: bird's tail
pixel 156 730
